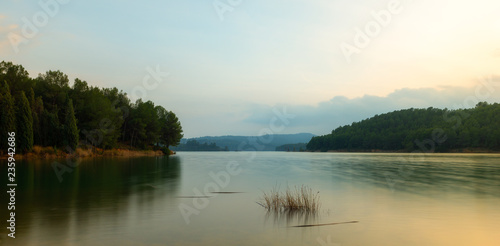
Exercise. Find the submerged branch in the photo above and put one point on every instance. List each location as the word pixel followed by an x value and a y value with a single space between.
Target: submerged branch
pixel 337 223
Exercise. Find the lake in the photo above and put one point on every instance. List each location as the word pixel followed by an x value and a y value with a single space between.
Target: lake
pixel 396 199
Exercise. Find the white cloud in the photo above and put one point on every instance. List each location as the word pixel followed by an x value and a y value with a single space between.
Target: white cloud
pixel 6 27
pixel 326 116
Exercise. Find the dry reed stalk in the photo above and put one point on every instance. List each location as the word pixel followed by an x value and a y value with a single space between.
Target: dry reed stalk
pixel 297 199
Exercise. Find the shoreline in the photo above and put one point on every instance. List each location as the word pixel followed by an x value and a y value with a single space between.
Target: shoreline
pixel 454 151
pixel 48 153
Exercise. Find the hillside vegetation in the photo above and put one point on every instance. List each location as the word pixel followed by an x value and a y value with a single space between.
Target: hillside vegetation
pixel 292 147
pixel 47 111
pixel 431 129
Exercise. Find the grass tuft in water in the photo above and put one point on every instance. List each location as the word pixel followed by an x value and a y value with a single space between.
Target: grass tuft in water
pixel 297 199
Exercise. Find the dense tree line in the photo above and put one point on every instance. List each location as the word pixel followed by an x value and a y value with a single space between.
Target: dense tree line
pixel 292 147
pixel 47 111
pixel 440 130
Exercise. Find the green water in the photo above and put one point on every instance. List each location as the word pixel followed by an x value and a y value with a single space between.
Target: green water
pixel 397 199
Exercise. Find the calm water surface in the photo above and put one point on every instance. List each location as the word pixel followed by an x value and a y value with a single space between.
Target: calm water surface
pixel 398 199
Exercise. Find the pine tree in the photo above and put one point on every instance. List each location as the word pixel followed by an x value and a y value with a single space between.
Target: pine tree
pixel 7 115
pixel 50 128
pixel 24 124
pixel 171 130
pixel 71 130
pixel 35 108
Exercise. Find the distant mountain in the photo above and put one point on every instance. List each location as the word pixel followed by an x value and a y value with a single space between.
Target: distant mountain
pixel 252 143
pixel 193 145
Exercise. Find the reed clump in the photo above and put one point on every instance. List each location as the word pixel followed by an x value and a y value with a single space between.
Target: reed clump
pixel 297 199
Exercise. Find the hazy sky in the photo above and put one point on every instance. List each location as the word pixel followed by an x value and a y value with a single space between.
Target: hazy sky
pixel 233 64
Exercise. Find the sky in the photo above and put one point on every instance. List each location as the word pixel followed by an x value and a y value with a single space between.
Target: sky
pixel 236 67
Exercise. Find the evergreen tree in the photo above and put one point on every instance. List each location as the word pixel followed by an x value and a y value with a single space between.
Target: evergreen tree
pixel 144 126
pixel 36 118
pixel 37 110
pixel 24 124
pixel 171 132
pixel 7 114
pixel 50 128
pixel 71 131
pixel 16 76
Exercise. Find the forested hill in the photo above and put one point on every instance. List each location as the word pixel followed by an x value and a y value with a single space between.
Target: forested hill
pixel 47 111
pixel 431 129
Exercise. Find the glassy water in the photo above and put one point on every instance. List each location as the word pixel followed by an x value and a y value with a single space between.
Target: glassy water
pixel 200 198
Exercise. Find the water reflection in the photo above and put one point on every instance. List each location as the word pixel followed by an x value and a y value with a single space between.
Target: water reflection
pixel 291 217
pixel 420 174
pixel 94 190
